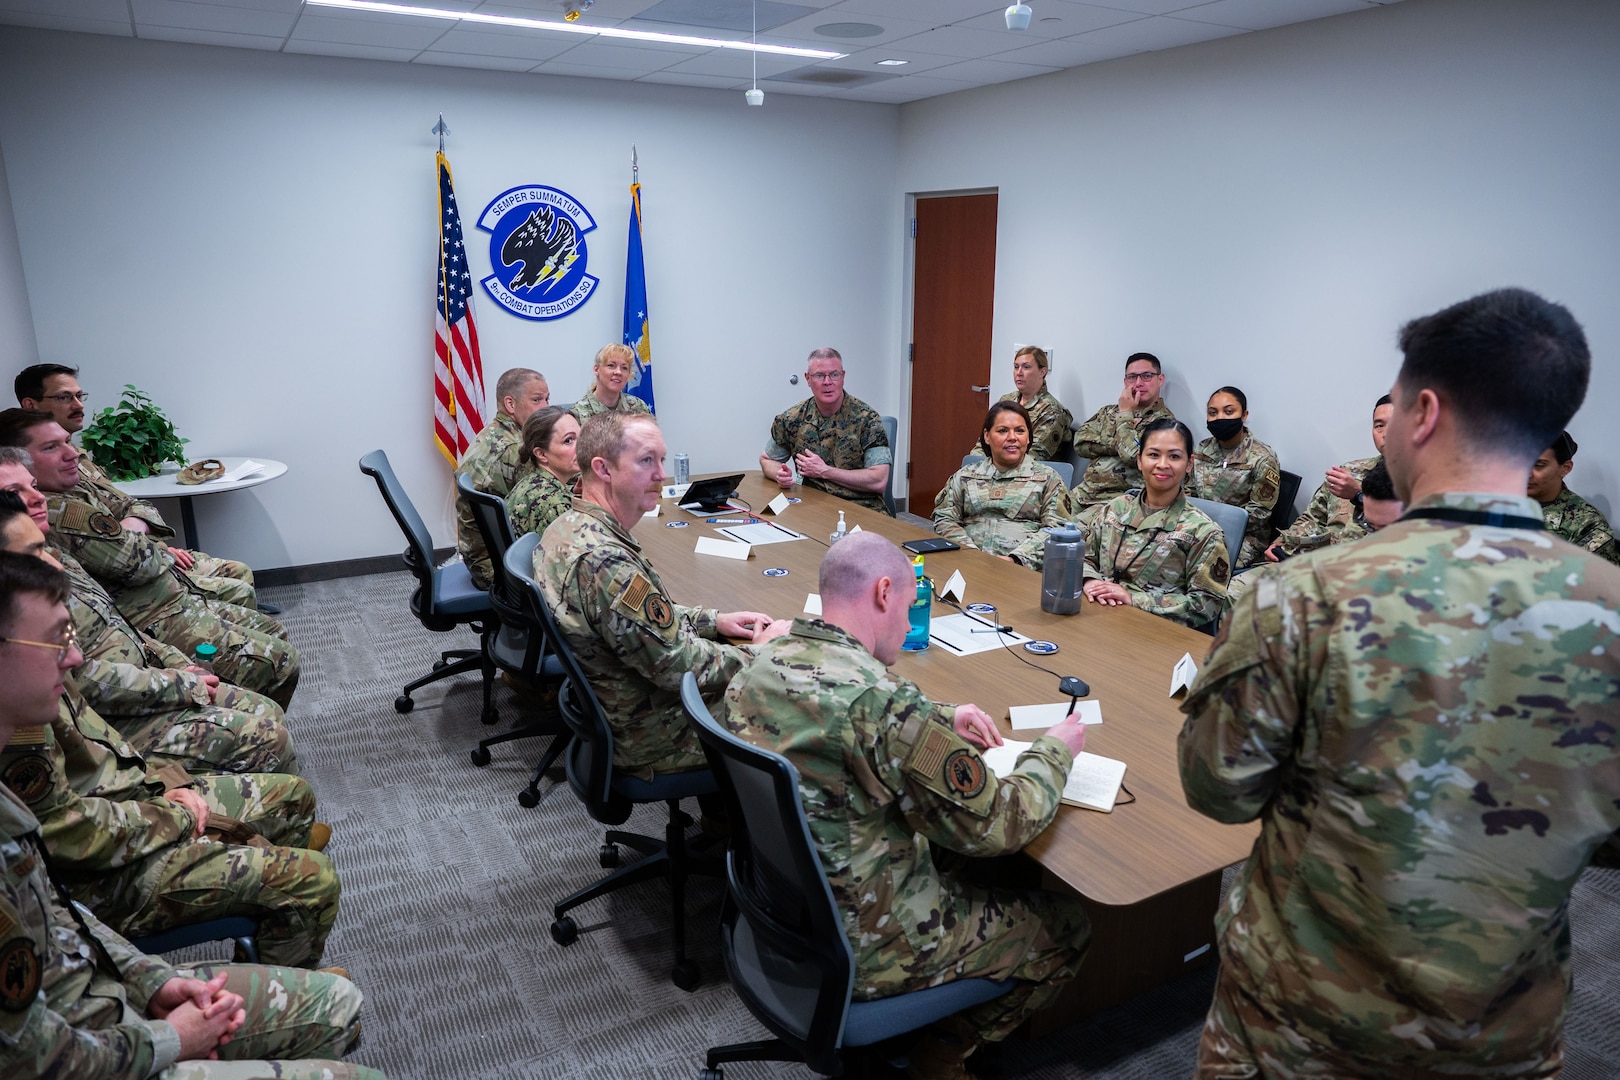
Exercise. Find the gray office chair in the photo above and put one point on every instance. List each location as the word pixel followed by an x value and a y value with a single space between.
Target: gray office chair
pixel 1232 520
pixel 1064 470
pixel 891 428
pixel 237 928
pixel 1282 515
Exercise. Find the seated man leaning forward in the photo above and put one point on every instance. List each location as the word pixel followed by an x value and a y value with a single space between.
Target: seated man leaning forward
pixel 494 461
pixel 633 641
pixel 836 442
pixel 884 774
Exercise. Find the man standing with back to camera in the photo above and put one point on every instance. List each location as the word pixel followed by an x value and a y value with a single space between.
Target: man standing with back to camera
pixel 1424 723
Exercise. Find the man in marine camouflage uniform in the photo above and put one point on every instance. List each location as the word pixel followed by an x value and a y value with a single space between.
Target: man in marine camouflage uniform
pixel 886 774
pixel 494 461
pixel 1423 722
pixel 1333 509
pixel 633 641
pixel 1112 437
pixel 836 441
pixel 1566 513
pixel 76 999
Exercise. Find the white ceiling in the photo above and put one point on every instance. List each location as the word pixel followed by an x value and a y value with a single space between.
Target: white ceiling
pixel 949 45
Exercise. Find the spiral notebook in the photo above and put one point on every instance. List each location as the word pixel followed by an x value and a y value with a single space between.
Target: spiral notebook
pixel 1094 781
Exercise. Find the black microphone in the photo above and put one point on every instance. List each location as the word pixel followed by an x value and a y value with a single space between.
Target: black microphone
pixel 1076 688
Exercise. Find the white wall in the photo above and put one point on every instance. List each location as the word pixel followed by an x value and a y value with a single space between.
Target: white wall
pixel 250 237
pixel 16 324
pixel 1266 210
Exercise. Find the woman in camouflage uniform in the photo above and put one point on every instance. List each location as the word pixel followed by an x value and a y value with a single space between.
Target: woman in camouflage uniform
pixel 1049 421
pixel 613 366
pixel 1234 467
pixel 1565 513
pixel 547 490
pixel 1150 548
pixel 1001 505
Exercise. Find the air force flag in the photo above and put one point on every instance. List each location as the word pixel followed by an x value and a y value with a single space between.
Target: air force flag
pixel 636 334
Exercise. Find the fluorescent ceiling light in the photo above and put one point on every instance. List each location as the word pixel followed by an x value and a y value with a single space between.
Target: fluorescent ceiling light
pixel 561 27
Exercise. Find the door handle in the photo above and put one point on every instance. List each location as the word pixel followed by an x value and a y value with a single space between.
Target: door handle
pixel 981 389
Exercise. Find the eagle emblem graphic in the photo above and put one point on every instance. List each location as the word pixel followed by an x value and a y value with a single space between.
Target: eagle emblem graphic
pixel 537 250
pixel 546 245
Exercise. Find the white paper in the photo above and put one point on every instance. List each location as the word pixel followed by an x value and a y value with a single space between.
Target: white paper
pixel 241 472
pixel 777 505
pixel 726 549
pixel 955 586
pixel 1044 716
pixel 1183 675
pixel 655 511
pixel 812 604
pixel 675 491
pixel 759 533
pixel 964 635
pixel 855 530
pixel 1093 781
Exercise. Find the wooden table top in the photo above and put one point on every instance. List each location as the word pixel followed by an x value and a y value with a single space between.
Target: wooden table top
pixel 1138 851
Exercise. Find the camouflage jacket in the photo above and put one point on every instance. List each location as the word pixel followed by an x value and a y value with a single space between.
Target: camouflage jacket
pixel 62 1011
pixel 1328 519
pixel 537 500
pixel 494 462
pixel 1172 561
pixel 632 640
pixel 1423 722
pixel 587 406
pixel 1002 511
pixel 883 777
pixel 138 571
pixel 1111 441
pixel 1582 524
pixel 95 489
pixel 851 438
pixel 1049 422
pixel 1246 475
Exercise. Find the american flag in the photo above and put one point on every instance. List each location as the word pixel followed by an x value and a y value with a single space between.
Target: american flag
pixel 458 372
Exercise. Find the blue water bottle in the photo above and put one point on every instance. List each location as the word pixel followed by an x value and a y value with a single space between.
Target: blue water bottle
pixel 921 611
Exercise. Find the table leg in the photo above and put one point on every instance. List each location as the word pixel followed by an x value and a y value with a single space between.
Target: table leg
pixel 188 525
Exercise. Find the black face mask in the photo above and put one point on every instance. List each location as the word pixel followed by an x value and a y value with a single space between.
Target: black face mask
pixel 1225 429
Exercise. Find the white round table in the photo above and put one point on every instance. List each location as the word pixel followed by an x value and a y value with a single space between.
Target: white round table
pixel 164 486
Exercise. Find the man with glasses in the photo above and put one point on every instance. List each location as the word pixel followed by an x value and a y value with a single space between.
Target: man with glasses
pixel 1111 437
pixel 834 441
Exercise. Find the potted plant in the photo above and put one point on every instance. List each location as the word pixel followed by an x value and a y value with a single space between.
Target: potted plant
pixel 134 439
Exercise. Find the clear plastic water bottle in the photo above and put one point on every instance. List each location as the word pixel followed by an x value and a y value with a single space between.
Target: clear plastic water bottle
pixel 839 533
pixel 205 655
pixel 683 469
pixel 1063 569
pixel 922 609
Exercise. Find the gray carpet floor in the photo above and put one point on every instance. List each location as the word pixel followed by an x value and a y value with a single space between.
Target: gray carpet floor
pixel 448 885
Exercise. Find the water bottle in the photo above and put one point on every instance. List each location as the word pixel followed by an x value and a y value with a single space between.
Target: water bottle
pixel 839 533
pixel 922 609
pixel 683 469
pixel 1062 569
pixel 204 656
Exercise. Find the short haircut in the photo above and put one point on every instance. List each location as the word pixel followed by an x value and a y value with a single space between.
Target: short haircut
pixel 1242 398
pixel 1166 423
pixel 1149 357
pixel 537 430
pixel 11 507
pixel 1512 367
pixel 856 562
pixel 826 352
pixel 15 424
pixel 30 381
pixel 1381 402
pixel 614 348
pixel 1377 484
pixel 1563 448
pixel 604 435
pixel 512 382
pixel 16 455
pixel 25 574
pixel 1006 406
pixel 1042 361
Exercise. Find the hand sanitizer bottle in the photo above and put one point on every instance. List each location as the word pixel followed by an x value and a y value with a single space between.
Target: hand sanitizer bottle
pixel 839 533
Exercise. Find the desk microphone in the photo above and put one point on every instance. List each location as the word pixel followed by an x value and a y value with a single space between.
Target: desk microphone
pixel 1076 688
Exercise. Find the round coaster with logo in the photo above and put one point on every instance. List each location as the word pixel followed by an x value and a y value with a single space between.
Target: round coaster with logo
pixel 676 524
pixel 1041 648
pixel 987 610
pixel 794 499
pixel 776 571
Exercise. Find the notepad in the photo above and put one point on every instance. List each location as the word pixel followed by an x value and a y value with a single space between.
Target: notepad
pixel 760 532
pixel 1093 783
pixel 1044 716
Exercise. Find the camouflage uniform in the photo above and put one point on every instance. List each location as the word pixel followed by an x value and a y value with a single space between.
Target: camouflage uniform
pixel 494 461
pixel 1328 518
pixel 538 500
pixel 1582 524
pixel 1002 511
pixel 883 778
pixel 587 406
pixel 1423 722
pixel 1111 440
pixel 74 999
pixel 851 438
pixel 1173 561
pixel 1049 425
pixel 1246 475
pixel 161 601
pixel 129 854
pixel 632 640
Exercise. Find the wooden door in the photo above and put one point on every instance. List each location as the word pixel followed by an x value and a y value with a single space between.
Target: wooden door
pixel 953 305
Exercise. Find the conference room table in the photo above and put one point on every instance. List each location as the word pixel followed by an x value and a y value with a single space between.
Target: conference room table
pixel 1148 873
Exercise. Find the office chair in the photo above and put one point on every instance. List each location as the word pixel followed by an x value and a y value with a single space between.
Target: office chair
pixel 1064 470
pixel 781 931
pixel 520 645
pixel 238 928
pixel 445 596
pixel 1282 515
pixel 608 795
pixel 1233 520
pixel 891 428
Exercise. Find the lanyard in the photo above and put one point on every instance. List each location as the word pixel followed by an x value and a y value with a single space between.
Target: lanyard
pixel 1476 517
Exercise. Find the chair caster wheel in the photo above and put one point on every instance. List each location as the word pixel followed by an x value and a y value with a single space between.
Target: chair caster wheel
pixel 607 856
pixel 711 1074
pixel 439 665
pixel 529 797
pixel 403 703
pixel 490 715
pixel 686 975
pixel 480 756
pixel 564 931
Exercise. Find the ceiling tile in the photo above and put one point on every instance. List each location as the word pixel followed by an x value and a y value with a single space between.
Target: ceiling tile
pixel 803 31
pixel 344 48
pixel 103 10
pixel 271 42
pixel 1067 53
pixel 1054 19
pixel 440 58
pixel 985 72
pixel 724 62
pixel 385 31
pixel 67 22
pixel 938 12
pixel 911 88
pixel 740 16
pixel 1147 7
pixel 685 78
pixel 213 17
pixel 1265 14
pixel 511 43
pixel 1159 32
pixel 958 41
pixel 632 59
pixel 867 60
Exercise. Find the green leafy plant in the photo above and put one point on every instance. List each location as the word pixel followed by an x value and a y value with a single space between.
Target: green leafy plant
pixel 134 439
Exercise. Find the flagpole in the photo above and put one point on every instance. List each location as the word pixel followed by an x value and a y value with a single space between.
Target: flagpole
pixel 441 130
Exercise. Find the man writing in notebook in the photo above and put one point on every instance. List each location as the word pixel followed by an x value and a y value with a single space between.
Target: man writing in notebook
pixel 885 774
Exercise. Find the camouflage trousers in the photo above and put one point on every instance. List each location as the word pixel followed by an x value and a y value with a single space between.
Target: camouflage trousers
pixel 223 579
pixel 214 738
pixel 1036 938
pixel 1245 1040
pixel 253 649
pixel 298 1023
pixel 293 893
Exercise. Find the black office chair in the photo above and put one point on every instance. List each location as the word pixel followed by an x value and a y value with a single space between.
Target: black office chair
pixel 781 931
pixel 237 928
pixel 445 596
pixel 609 796
pixel 1282 515
pixel 520 645
pixel 891 427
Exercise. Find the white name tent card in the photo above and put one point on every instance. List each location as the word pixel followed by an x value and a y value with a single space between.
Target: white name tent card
pixel 675 491
pixel 855 530
pixel 777 505
pixel 1044 716
pixel 1181 679
pixel 955 586
pixel 812 604
pixel 726 549
pixel 1093 782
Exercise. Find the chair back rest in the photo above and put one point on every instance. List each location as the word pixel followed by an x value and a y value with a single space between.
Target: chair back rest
pixel 419 542
pixel 1064 470
pixel 1282 515
pixel 971 459
pixel 495 529
pixel 590 754
pixel 777 885
pixel 891 428
pixel 1232 520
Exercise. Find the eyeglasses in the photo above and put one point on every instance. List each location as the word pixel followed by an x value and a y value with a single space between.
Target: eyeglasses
pixel 68 395
pixel 824 376
pixel 1141 376
pixel 69 642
